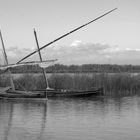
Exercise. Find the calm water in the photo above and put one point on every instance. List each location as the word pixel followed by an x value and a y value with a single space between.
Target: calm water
pixel 71 119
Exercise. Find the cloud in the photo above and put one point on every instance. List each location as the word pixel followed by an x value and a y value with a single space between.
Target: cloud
pixel 79 52
pixel 15 53
pixel 76 43
pixel 95 48
pixel 123 56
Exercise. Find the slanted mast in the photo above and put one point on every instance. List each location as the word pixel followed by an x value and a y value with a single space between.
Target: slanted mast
pixel 43 69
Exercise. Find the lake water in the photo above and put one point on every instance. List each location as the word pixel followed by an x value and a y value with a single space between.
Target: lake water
pixel 99 118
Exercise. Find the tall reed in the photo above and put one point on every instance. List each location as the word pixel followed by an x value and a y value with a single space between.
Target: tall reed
pixel 113 84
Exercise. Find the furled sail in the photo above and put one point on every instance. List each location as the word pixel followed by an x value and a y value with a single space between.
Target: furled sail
pixel 41 64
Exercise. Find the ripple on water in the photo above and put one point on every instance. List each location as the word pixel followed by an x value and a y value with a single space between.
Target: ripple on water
pixel 66 119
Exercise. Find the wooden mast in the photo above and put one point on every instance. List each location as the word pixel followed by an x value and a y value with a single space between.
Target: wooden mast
pixel 6 62
pixel 44 73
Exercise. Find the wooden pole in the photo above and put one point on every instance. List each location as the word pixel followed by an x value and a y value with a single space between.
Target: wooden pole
pixel 44 72
pixel 6 62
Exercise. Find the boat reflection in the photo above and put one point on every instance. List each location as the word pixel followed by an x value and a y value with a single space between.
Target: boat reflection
pixel 8 127
pixel 43 123
pixel 23 120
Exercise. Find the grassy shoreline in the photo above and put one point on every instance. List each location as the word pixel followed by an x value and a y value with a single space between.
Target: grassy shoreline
pixel 116 84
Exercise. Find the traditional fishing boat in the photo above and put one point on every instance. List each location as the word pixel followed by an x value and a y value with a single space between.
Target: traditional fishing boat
pixel 50 93
pixel 73 93
pixel 11 92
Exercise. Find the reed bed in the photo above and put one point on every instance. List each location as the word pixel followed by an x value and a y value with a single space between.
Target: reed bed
pixel 113 84
pixel 4 80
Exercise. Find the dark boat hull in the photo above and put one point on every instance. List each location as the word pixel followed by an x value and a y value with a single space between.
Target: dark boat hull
pixel 20 94
pixel 72 93
pixel 51 93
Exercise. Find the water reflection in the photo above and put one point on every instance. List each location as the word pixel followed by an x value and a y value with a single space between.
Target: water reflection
pixel 9 123
pixel 43 122
pixel 65 119
pixel 22 120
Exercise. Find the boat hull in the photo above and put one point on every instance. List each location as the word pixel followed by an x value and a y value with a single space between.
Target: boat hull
pixel 40 94
pixel 72 93
pixel 20 94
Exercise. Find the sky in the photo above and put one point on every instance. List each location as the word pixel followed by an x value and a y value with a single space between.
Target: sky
pixel 114 39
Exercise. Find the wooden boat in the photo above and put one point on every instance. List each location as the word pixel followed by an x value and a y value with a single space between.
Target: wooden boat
pixel 50 93
pixel 73 93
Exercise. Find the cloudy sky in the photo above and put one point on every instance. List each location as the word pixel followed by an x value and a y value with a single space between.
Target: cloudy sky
pixel 113 39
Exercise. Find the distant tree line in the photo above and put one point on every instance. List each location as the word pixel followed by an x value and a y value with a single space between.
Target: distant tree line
pixel 59 68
